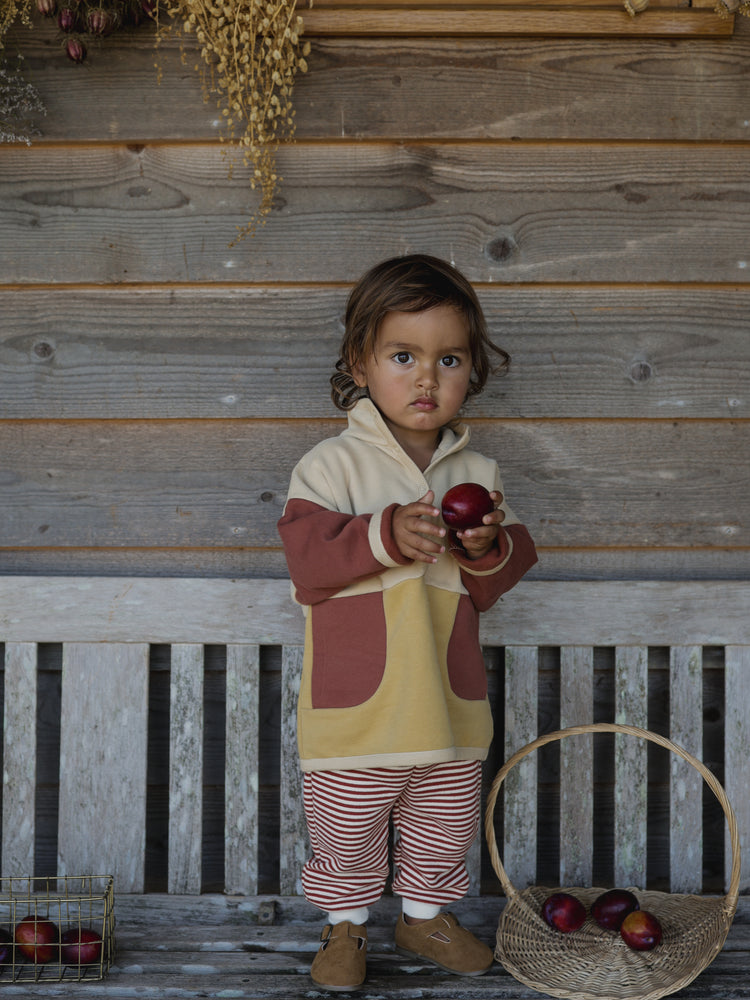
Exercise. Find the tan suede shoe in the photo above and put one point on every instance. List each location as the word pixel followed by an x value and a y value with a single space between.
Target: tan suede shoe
pixel 445 943
pixel 341 960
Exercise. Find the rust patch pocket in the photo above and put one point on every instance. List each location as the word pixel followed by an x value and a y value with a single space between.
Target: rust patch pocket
pixel 466 670
pixel 349 642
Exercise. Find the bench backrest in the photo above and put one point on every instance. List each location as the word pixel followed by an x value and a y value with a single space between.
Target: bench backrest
pixel 694 635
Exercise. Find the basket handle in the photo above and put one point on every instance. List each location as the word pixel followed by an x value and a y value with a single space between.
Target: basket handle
pixel 610 727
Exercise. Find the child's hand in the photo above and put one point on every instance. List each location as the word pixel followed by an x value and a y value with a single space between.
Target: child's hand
pixel 477 542
pixel 413 535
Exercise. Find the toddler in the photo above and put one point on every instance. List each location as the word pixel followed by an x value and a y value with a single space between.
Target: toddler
pixel 393 716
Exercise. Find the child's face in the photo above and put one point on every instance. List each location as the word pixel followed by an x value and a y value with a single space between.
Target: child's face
pixel 419 372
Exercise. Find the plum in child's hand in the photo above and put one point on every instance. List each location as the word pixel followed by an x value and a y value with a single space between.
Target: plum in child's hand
pixel 465 505
pixel 641 930
pixel 611 908
pixel 563 912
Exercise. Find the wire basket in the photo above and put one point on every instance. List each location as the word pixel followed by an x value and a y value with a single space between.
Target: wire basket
pixel 596 964
pixel 57 928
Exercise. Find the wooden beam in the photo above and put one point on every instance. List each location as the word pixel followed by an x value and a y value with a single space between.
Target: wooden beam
pixel 221 484
pixel 692 92
pixel 513 22
pixel 569 7
pixel 153 352
pixel 162 610
pixel 514 212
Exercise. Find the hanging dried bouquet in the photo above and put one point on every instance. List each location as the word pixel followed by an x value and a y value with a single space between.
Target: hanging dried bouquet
pixel 10 11
pixel 20 102
pixel 251 51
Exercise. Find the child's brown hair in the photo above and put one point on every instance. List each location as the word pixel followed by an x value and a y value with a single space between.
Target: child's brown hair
pixel 412 283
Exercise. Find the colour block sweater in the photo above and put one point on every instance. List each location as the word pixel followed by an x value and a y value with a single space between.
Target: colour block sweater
pixel 393 673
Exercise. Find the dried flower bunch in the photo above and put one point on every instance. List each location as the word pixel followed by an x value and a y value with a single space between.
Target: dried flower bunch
pixel 18 99
pixel 251 52
pixel 19 102
pixel 9 11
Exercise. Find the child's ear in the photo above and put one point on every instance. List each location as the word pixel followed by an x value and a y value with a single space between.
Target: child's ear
pixel 358 374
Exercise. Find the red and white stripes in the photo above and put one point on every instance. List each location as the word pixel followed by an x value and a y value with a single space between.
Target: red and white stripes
pixel 435 811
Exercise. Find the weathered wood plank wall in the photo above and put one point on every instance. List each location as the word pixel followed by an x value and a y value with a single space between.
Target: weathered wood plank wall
pixel 156 384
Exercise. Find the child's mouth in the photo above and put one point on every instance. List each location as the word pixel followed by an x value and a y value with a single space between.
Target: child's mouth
pixel 425 403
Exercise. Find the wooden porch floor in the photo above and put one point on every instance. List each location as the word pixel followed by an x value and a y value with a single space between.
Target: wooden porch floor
pixel 250 948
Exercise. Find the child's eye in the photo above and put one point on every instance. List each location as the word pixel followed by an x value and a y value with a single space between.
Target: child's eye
pixel 450 361
pixel 402 358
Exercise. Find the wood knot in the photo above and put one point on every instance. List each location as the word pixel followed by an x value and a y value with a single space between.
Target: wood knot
pixel 267 912
pixel 640 371
pixel 43 350
pixel 501 249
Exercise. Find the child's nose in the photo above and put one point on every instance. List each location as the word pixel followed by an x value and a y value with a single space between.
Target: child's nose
pixel 426 377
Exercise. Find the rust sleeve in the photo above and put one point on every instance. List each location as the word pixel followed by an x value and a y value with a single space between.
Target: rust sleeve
pixel 493 575
pixel 327 551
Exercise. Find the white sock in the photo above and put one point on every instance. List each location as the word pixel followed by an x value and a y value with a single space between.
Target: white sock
pixel 419 911
pixel 358 915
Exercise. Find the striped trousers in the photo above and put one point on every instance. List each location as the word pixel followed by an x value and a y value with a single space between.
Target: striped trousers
pixel 435 812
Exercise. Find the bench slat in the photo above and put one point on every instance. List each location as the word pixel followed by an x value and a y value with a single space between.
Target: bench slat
pixel 686 784
pixel 241 770
pixel 520 810
pixel 102 813
pixel 186 768
pixel 737 752
pixel 576 766
pixel 631 766
pixel 19 758
pixel 293 849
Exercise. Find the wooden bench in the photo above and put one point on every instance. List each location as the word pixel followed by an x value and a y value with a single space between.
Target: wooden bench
pixel 670 656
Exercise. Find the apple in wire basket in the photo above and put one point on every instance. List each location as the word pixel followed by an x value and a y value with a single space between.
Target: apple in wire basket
pixel 81 946
pixel 37 939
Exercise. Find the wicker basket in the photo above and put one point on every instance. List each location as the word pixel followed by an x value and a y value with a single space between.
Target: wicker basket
pixel 594 964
